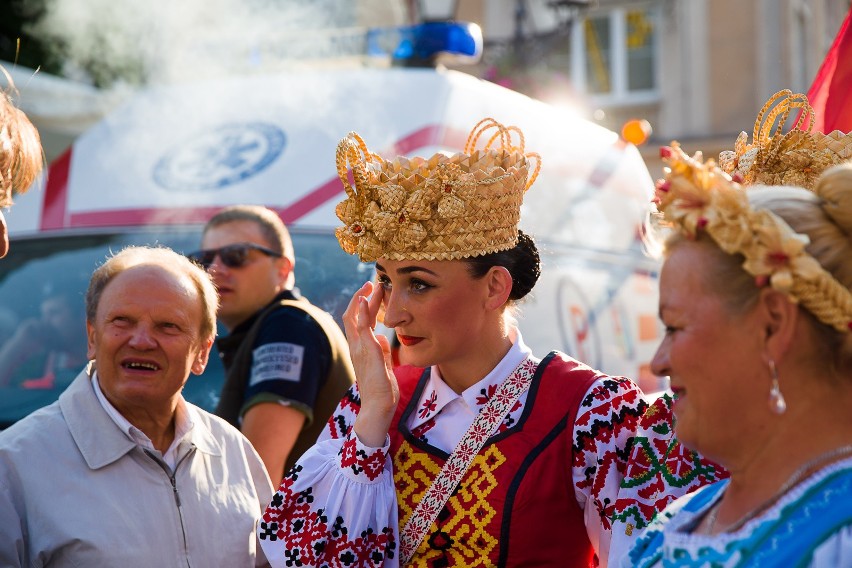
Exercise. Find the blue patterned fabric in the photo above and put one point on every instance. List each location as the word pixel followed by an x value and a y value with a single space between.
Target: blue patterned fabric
pixel 814 514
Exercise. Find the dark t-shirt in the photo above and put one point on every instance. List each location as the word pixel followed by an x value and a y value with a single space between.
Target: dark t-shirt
pixel 291 357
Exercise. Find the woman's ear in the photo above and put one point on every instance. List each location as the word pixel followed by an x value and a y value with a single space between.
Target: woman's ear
pixel 499 283
pixel 780 316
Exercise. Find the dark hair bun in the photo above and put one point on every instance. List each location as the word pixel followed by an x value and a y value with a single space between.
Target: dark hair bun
pixel 522 262
pixel 527 266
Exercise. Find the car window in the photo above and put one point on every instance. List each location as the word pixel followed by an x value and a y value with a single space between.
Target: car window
pixel 42 317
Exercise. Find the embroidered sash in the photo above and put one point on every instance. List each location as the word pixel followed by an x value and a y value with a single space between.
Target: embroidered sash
pixel 485 423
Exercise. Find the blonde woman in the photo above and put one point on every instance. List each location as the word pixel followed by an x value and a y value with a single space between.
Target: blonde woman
pixel 755 297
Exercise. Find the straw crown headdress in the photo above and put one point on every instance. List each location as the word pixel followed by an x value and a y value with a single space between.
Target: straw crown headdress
pixel 700 196
pixel 441 208
pixel 797 157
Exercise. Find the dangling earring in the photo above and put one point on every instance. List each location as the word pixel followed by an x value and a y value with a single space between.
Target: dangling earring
pixel 776 400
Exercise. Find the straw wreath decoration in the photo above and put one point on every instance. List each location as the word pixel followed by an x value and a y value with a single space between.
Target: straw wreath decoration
pixel 698 196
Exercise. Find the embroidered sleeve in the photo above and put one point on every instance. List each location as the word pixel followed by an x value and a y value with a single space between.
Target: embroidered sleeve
pixel 659 470
pixel 337 506
pixel 606 423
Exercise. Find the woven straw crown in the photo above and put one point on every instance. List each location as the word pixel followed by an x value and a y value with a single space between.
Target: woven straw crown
pixel 441 208
pixel 795 158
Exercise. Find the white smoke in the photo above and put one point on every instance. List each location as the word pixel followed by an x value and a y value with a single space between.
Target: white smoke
pixel 165 41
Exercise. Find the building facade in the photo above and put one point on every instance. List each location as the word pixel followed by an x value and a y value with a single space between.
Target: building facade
pixel 698 70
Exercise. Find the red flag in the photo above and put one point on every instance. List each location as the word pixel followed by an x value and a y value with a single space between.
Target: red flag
pixel 831 92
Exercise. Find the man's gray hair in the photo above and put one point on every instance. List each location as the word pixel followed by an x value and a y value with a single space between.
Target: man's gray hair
pixel 155 256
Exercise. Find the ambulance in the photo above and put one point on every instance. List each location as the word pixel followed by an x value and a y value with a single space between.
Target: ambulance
pixel 158 166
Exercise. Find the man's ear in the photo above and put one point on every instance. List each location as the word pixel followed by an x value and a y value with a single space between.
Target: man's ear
pixel 202 357
pixel 90 340
pixel 285 268
pixel 779 318
pixel 499 287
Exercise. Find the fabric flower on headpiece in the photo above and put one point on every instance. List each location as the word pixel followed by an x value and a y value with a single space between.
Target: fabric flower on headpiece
pixel 693 196
pixel 381 214
pixel 728 224
pixel 777 252
pixel 688 209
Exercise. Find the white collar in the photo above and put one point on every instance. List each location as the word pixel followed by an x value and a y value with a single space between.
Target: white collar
pixel 437 394
pixel 183 424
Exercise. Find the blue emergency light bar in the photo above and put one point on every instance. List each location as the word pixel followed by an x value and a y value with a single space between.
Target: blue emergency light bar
pixel 424 45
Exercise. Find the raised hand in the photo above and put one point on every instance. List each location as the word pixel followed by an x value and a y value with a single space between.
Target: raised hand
pixel 371 358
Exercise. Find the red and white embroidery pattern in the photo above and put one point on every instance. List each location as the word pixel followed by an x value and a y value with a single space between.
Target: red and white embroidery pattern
pixel 511 417
pixel 340 423
pixel 428 406
pixel 361 460
pixel 421 431
pixel 602 430
pixel 486 422
pixel 313 541
pixel 660 469
pixel 605 424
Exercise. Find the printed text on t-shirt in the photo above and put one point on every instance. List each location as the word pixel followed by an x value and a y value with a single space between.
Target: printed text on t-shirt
pixel 277 361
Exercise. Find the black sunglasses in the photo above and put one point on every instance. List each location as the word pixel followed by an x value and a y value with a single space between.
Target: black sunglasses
pixel 233 256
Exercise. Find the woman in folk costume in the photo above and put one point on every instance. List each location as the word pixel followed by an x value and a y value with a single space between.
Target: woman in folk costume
pixel 482 453
pixel 755 296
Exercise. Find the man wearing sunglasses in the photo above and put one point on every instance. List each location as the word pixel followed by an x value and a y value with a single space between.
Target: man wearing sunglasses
pixel 287 362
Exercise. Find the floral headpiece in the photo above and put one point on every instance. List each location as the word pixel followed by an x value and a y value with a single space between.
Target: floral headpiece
pixel 698 196
pixel 446 207
pixel 797 157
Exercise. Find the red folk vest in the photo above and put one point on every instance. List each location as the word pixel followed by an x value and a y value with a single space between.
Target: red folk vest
pixel 516 505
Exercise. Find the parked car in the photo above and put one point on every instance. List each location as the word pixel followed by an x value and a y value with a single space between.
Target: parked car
pixel 159 166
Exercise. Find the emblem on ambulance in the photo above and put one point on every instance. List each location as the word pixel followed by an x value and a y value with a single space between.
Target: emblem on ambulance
pixel 220 157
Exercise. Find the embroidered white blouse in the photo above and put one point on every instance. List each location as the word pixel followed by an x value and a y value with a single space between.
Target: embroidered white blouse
pixel 365 500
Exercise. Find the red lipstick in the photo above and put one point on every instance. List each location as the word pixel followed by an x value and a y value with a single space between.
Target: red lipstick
pixel 408 340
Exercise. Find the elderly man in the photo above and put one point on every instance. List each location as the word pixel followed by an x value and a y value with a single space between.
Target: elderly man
pixel 287 361
pixel 21 158
pixel 121 470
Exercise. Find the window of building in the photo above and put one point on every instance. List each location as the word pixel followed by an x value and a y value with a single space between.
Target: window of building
pixel 615 55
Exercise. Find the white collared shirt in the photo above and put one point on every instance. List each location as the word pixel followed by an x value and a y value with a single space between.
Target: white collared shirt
pixel 183 426
pixel 458 411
